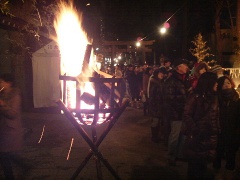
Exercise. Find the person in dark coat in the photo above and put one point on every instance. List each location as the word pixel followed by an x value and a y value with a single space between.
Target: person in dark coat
pixel 198 69
pixel 146 76
pixel 128 74
pixel 11 131
pixel 135 85
pixel 156 101
pixel 229 138
pixel 175 93
pixel 201 126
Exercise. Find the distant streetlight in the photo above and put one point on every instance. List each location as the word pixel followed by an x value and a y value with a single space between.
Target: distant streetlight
pixel 138 44
pixel 163 30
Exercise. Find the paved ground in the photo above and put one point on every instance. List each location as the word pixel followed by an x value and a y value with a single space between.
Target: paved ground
pixel 127 148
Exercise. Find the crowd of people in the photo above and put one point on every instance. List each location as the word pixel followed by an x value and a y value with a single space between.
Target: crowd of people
pixel 193 110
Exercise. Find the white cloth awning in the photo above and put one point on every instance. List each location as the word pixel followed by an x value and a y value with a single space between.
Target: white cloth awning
pixel 46 71
pixel 46 84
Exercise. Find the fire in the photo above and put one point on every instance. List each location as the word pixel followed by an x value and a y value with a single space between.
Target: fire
pixel 73 41
pixel 71 38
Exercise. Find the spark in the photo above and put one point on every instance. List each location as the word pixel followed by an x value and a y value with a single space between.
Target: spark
pixel 1 89
pixel 41 134
pixel 40 20
pixel 70 149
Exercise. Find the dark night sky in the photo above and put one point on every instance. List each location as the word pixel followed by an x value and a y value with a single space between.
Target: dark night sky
pixel 127 19
pixel 130 19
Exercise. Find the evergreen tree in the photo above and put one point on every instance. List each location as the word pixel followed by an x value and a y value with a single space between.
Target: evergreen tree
pixel 201 51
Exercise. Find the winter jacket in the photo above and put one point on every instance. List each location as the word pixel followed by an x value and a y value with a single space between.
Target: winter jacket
pixel 10 122
pixel 175 92
pixel 201 125
pixel 229 104
pixel 156 97
pixel 145 82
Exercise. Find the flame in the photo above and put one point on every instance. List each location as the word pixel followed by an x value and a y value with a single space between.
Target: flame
pixel 72 41
pixel 71 38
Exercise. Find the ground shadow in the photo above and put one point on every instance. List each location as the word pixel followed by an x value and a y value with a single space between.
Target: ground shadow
pixel 152 172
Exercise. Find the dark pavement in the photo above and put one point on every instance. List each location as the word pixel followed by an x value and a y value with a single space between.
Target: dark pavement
pixel 128 148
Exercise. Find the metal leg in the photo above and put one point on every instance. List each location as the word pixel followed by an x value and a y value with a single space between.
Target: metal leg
pixel 93 145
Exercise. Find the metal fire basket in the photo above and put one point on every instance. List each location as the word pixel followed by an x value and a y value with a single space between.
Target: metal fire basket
pixel 112 88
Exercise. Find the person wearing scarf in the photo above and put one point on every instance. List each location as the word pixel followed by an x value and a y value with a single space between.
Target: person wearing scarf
pixel 229 138
pixel 201 126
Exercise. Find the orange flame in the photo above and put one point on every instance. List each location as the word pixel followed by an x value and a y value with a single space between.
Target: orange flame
pixel 71 38
pixel 72 41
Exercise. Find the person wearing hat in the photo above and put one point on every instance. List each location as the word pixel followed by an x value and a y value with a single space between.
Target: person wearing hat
pixel 175 92
pixel 167 64
pixel 156 101
pixel 217 69
pixel 198 69
pixel 127 75
pixel 146 77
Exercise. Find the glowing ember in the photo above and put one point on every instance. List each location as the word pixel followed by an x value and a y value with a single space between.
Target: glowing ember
pixel 41 135
pixel 70 148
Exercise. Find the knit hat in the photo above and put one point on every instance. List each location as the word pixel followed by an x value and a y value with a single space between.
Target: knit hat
pixel 216 68
pixel 197 67
pixel 177 62
pixel 148 69
pixel 167 60
pixel 159 70
pixel 163 70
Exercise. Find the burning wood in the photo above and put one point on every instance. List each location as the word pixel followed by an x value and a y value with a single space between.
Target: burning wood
pixel 86 59
pixel 87 98
pixel 105 75
pixel 105 85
